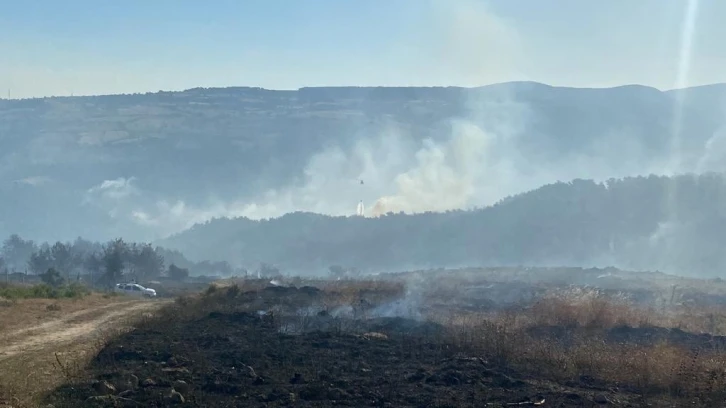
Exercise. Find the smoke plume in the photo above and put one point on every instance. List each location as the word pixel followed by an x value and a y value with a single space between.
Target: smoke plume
pixel 483 158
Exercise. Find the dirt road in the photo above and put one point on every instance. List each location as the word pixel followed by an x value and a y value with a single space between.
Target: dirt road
pixel 38 356
pixel 72 327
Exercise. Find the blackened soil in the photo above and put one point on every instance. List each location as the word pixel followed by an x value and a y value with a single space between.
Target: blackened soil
pixel 242 360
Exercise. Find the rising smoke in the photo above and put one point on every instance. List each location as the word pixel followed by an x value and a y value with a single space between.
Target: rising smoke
pixel 481 160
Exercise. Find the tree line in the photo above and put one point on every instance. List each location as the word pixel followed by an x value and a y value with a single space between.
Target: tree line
pixel 100 264
pixel 672 224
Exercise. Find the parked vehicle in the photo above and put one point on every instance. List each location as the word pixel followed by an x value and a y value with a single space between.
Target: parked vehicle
pixel 134 289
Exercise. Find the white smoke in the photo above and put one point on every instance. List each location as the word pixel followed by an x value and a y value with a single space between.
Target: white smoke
pixel 445 176
pixel 410 305
pixel 112 196
pixel 481 161
pixel 113 189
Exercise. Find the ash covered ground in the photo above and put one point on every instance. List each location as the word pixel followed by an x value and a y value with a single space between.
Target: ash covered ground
pixel 498 337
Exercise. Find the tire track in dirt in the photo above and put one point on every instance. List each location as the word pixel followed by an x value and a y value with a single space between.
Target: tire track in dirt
pixel 52 324
pixel 72 327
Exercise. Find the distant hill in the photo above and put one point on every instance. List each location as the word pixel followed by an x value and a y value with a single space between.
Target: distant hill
pixel 143 166
pixel 676 225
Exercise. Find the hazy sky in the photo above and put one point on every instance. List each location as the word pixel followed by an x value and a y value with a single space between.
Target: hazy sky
pixel 52 47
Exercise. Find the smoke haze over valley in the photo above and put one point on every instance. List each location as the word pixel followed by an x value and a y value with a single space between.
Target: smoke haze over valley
pixel 415 149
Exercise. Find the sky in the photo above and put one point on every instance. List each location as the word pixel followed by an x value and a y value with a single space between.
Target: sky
pixel 83 47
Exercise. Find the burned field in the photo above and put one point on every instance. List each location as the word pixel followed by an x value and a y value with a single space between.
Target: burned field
pixel 382 343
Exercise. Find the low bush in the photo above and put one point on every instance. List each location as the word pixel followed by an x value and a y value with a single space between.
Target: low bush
pixel 43 291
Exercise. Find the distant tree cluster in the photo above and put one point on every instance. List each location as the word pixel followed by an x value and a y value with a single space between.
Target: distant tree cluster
pixel 102 264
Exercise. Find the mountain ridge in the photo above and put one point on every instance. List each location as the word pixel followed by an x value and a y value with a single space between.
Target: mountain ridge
pixel 363 87
pixel 148 165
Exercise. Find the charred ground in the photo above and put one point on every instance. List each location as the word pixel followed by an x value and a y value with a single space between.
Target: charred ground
pixel 381 343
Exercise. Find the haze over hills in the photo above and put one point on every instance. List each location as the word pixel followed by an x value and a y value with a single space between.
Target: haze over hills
pixel 149 165
pixel 672 224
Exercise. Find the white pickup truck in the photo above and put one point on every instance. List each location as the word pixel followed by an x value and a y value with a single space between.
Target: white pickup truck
pixel 134 289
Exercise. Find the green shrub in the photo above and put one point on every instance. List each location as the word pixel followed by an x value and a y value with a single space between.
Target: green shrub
pixel 52 277
pixel 43 291
pixel 74 290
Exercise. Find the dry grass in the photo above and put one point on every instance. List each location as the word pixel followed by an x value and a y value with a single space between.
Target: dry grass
pixel 590 309
pixel 26 376
pixel 662 371
pixel 22 313
pixel 349 292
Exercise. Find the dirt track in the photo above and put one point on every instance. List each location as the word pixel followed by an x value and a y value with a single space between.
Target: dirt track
pixel 71 327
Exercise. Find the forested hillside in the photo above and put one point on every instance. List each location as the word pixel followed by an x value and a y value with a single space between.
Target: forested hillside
pixel 656 223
